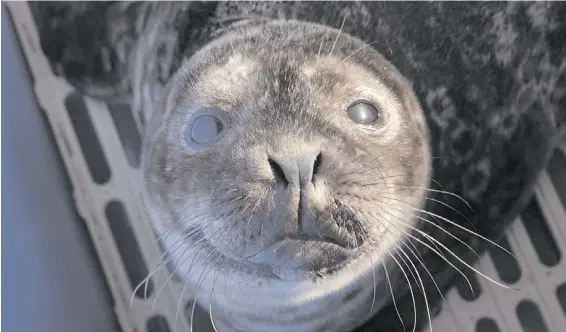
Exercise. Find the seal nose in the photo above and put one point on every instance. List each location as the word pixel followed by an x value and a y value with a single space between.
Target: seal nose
pixel 295 170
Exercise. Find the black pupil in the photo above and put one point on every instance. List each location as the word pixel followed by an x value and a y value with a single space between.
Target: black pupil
pixel 205 129
pixel 363 113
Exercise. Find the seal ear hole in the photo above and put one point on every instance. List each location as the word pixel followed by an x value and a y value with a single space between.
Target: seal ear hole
pixel 363 112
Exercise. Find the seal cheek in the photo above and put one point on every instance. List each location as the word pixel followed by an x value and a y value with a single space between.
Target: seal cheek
pixel 165 171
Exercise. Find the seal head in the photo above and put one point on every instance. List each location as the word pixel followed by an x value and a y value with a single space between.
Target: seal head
pixel 287 167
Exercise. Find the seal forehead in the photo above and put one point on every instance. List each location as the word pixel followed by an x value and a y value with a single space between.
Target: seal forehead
pixel 221 84
pixel 343 79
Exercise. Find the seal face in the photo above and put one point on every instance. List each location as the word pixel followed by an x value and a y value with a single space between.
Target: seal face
pixel 291 174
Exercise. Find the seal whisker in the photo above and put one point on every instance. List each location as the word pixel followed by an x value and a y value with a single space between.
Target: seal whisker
pixel 460 227
pixel 417 255
pixel 441 203
pixel 390 286
pixel 320 47
pixel 393 296
pixel 433 200
pixel 356 51
pixel 431 239
pixel 458 258
pixel 193 307
pixel 169 278
pixel 159 264
pixel 440 228
pixel 212 319
pixel 374 289
pixel 211 301
pixel 221 204
pixel 411 270
pixel 181 258
pixel 436 191
pixel 410 291
pixel 420 260
pixel 195 291
pixel 425 189
pixel 338 36
pixel 438 251
pixel 425 197
pixel 421 286
pixel 408 283
pixel 371 161
pixel 189 270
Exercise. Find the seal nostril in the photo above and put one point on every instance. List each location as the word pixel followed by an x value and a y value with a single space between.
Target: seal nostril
pixel 277 171
pixel 316 166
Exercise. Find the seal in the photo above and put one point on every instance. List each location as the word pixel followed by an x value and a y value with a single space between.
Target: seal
pixel 308 172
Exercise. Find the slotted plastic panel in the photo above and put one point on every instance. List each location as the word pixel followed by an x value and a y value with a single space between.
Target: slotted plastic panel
pixel 100 145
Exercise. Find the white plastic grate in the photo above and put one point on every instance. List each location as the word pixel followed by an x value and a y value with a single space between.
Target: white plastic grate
pixel 538 283
pixel 105 178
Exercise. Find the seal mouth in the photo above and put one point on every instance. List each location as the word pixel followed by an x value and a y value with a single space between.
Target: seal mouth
pixel 303 253
pixel 342 240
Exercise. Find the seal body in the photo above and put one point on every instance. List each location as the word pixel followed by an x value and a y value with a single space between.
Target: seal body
pixel 277 235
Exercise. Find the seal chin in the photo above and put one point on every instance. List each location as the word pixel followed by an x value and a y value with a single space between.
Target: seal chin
pixel 304 254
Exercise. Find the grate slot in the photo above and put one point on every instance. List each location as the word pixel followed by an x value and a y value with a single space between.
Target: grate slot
pixel 128 247
pixel 561 296
pixel 530 317
pixel 464 289
pixel 556 167
pixel 486 324
pixel 86 134
pixel 200 318
pixel 128 132
pixel 540 235
pixel 158 324
pixel 507 268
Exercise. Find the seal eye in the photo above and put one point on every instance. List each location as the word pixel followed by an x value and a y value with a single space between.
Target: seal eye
pixel 204 128
pixel 363 113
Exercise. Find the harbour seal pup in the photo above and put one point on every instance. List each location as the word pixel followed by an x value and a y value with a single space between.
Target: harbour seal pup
pixel 475 92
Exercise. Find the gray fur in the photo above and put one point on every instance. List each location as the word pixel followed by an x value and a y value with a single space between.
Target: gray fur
pixel 292 104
